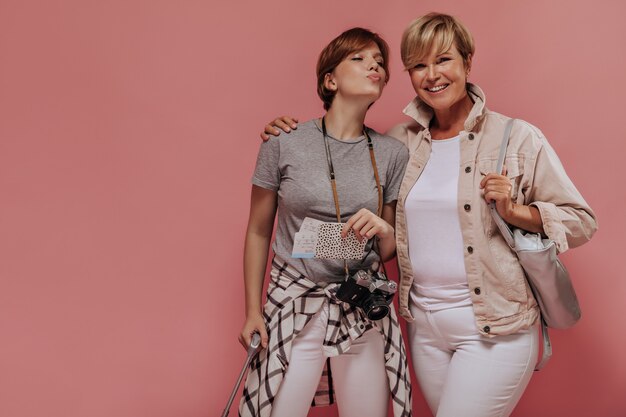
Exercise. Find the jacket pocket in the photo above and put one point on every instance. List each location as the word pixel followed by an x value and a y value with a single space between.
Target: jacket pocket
pixel 507 278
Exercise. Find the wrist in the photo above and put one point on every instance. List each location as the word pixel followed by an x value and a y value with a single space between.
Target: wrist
pixel 511 214
pixel 253 312
pixel 253 318
pixel 388 233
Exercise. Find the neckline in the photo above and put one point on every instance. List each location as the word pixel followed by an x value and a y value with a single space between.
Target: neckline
pixel 448 140
pixel 318 125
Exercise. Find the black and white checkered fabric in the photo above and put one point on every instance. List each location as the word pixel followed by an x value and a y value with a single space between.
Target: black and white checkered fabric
pixel 292 300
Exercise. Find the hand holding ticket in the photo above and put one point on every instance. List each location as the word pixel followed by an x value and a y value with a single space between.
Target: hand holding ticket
pixel 323 240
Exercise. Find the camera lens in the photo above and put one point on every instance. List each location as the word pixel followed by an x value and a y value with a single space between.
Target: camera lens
pixel 375 307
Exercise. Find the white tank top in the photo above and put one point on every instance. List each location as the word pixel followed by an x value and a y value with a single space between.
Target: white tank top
pixel 434 231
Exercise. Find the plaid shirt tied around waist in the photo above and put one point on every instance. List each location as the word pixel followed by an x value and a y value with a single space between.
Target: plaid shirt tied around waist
pixel 292 300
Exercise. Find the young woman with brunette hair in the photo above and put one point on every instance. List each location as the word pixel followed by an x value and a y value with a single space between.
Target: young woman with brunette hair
pixel 316 347
pixel 473 320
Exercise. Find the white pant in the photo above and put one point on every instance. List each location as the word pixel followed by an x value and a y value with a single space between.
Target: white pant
pixel 461 372
pixel 359 376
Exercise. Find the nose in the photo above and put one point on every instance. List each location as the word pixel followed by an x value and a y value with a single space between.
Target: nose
pixel 373 65
pixel 432 72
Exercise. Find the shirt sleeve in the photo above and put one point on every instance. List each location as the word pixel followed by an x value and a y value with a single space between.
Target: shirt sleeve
pixel 395 173
pixel 566 216
pixel 267 170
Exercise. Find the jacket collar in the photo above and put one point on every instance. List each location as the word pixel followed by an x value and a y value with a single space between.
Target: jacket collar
pixel 422 113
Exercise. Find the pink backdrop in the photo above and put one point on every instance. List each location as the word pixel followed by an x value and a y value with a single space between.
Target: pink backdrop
pixel 128 133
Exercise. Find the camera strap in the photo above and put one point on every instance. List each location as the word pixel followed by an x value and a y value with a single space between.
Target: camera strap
pixel 333 184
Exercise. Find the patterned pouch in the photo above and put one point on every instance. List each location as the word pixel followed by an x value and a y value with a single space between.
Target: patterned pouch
pixel 330 244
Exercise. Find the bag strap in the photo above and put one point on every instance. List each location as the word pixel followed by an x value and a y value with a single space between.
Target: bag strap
pixel 333 183
pixel 506 231
pixel 331 171
pixel 546 351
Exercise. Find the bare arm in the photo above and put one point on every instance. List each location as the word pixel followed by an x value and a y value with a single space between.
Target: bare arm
pixel 258 236
pixel 525 217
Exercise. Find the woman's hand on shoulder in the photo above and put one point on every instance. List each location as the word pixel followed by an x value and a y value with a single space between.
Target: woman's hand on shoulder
pixel 284 123
pixel 254 324
pixel 367 225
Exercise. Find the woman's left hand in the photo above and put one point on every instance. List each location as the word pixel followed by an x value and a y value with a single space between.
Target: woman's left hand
pixel 498 188
pixel 366 225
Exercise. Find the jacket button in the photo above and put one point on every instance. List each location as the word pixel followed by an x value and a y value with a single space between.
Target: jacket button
pixel 467 207
pixel 486 329
pixel 470 249
pixel 471 136
pixel 477 290
pixel 468 169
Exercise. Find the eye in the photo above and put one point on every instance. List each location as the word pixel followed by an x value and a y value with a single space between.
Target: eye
pixel 381 63
pixel 419 66
pixel 356 58
pixel 443 59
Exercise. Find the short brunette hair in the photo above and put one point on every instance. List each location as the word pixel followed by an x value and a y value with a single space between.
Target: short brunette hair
pixel 435 30
pixel 338 49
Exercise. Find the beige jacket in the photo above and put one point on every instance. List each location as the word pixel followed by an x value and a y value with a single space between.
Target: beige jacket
pixel 501 298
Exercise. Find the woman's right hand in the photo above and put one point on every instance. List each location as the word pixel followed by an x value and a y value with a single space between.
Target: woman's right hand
pixel 253 324
pixel 367 225
pixel 285 123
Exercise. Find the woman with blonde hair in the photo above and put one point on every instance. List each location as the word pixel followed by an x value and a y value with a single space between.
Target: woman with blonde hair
pixel 472 318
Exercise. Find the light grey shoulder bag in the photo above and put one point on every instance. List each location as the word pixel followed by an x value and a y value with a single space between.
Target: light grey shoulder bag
pixel 547 277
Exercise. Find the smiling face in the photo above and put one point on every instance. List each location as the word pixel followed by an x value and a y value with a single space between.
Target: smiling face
pixel 360 76
pixel 439 79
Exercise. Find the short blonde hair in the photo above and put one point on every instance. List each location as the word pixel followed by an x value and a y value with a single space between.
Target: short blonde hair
pixel 435 30
pixel 338 49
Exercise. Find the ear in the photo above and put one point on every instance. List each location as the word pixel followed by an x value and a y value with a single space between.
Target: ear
pixel 329 82
pixel 468 65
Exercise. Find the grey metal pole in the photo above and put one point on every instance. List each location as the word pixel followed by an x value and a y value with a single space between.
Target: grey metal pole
pixel 255 343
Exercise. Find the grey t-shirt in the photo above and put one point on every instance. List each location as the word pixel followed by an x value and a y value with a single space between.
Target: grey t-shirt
pixel 295 166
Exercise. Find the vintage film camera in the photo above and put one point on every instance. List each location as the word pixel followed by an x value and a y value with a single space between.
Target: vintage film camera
pixel 371 291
